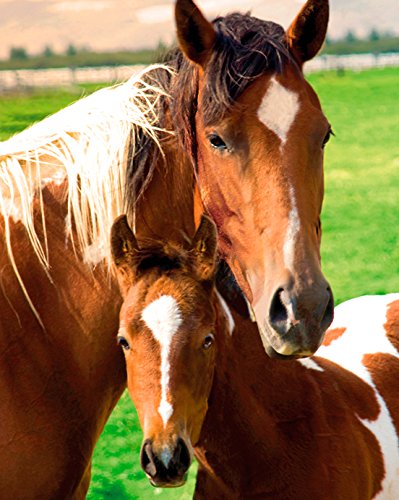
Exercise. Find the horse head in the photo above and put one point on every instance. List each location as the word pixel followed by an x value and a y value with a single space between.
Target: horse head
pixel 168 324
pixel 256 133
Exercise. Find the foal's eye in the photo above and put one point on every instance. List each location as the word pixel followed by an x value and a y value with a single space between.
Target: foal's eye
pixel 123 342
pixel 217 142
pixel 327 137
pixel 208 341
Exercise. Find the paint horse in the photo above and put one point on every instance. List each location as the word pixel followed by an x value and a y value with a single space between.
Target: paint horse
pixel 322 427
pixel 134 147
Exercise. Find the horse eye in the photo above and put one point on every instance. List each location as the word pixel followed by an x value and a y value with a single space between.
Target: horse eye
pixel 327 137
pixel 217 142
pixel 208 341
pixel 123 342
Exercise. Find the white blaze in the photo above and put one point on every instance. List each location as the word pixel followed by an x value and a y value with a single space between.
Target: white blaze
pixel 291 234
pixel 278 109
pixel 163 318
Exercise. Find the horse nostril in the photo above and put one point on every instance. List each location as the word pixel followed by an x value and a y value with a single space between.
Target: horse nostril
pixel 181 455
pixel 147 459
pixel 278 312
pixel 329 311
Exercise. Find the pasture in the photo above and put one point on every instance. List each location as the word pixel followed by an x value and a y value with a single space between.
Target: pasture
pixel 360 223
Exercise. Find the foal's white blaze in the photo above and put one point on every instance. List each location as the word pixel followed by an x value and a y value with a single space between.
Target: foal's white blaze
pixel 278 109
pixel 163 318
pixel 364 320
pixel 293 228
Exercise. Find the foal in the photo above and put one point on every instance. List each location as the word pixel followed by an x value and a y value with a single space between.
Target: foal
pixel 325 427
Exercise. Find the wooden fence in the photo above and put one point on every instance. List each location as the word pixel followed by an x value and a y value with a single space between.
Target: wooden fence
pixel 24 79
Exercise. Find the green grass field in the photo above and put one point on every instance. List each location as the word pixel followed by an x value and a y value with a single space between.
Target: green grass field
pixel 360 222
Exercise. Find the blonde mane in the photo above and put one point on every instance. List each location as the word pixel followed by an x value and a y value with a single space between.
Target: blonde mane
pixel 86 145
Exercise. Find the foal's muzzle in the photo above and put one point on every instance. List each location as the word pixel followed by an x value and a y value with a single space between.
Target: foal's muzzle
pixel 168 467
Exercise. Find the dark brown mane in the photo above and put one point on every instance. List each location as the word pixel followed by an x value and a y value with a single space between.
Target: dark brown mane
pixel 245 48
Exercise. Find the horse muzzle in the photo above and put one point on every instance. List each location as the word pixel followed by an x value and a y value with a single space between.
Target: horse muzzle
pixel 166 467
pixel 295 325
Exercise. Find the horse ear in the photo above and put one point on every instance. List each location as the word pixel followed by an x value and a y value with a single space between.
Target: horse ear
pixel 123 241
pixel 195 34
pixel 204 246
pixel 308 31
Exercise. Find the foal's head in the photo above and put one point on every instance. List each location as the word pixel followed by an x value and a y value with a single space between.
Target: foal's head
pixel 257 134
pixel 167 330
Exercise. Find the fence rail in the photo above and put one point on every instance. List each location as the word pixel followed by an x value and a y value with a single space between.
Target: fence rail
pixel 356 62
pixel 22 79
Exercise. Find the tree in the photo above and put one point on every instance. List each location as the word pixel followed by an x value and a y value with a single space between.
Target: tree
pixel 350 37
pixel 374 36
pixel 48 51
pixel 71 50
pixel 18 54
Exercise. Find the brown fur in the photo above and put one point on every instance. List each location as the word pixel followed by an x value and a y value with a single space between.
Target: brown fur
pixel 392 324
pixel 272 430
pixel 57 386
pixel 281 431
pixel 333 334
pixel 222 71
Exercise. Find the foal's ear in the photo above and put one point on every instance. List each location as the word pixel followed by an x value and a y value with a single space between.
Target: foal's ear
pixel 195 34
pixel 204 246
pixel 123 241
pixel 307 32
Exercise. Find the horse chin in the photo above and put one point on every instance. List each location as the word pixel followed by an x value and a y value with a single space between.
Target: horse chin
pixel 273 354
pixel 175 483
pixel 279 348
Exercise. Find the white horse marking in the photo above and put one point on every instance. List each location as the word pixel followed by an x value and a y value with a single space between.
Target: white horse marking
pixel 364 319
pixel 310 364
pixel 230 321
pixel 163 318
pixel 278 109
pixel 293 228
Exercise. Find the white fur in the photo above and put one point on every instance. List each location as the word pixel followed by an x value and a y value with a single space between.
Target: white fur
pixel 95 253
pixel 310 364
pixel 230 320
pixel 163 318
pixel 293 228
pixel 278 109
pixel 364 320
pixel 85 144
pixel 122 329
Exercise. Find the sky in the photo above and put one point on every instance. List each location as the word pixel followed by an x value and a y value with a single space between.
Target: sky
pixel 131 24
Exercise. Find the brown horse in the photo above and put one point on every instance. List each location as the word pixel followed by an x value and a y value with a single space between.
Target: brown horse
pixel 323 427
pixel 234 98
pixel 253 129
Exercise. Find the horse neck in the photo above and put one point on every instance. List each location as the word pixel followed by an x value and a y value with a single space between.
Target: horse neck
pixel 167 207
pixel 60 379
pixel 64 333
pixel 250 392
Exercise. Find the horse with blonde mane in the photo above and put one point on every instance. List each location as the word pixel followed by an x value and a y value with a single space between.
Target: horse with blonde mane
pixel 228 123
pixel 321 427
